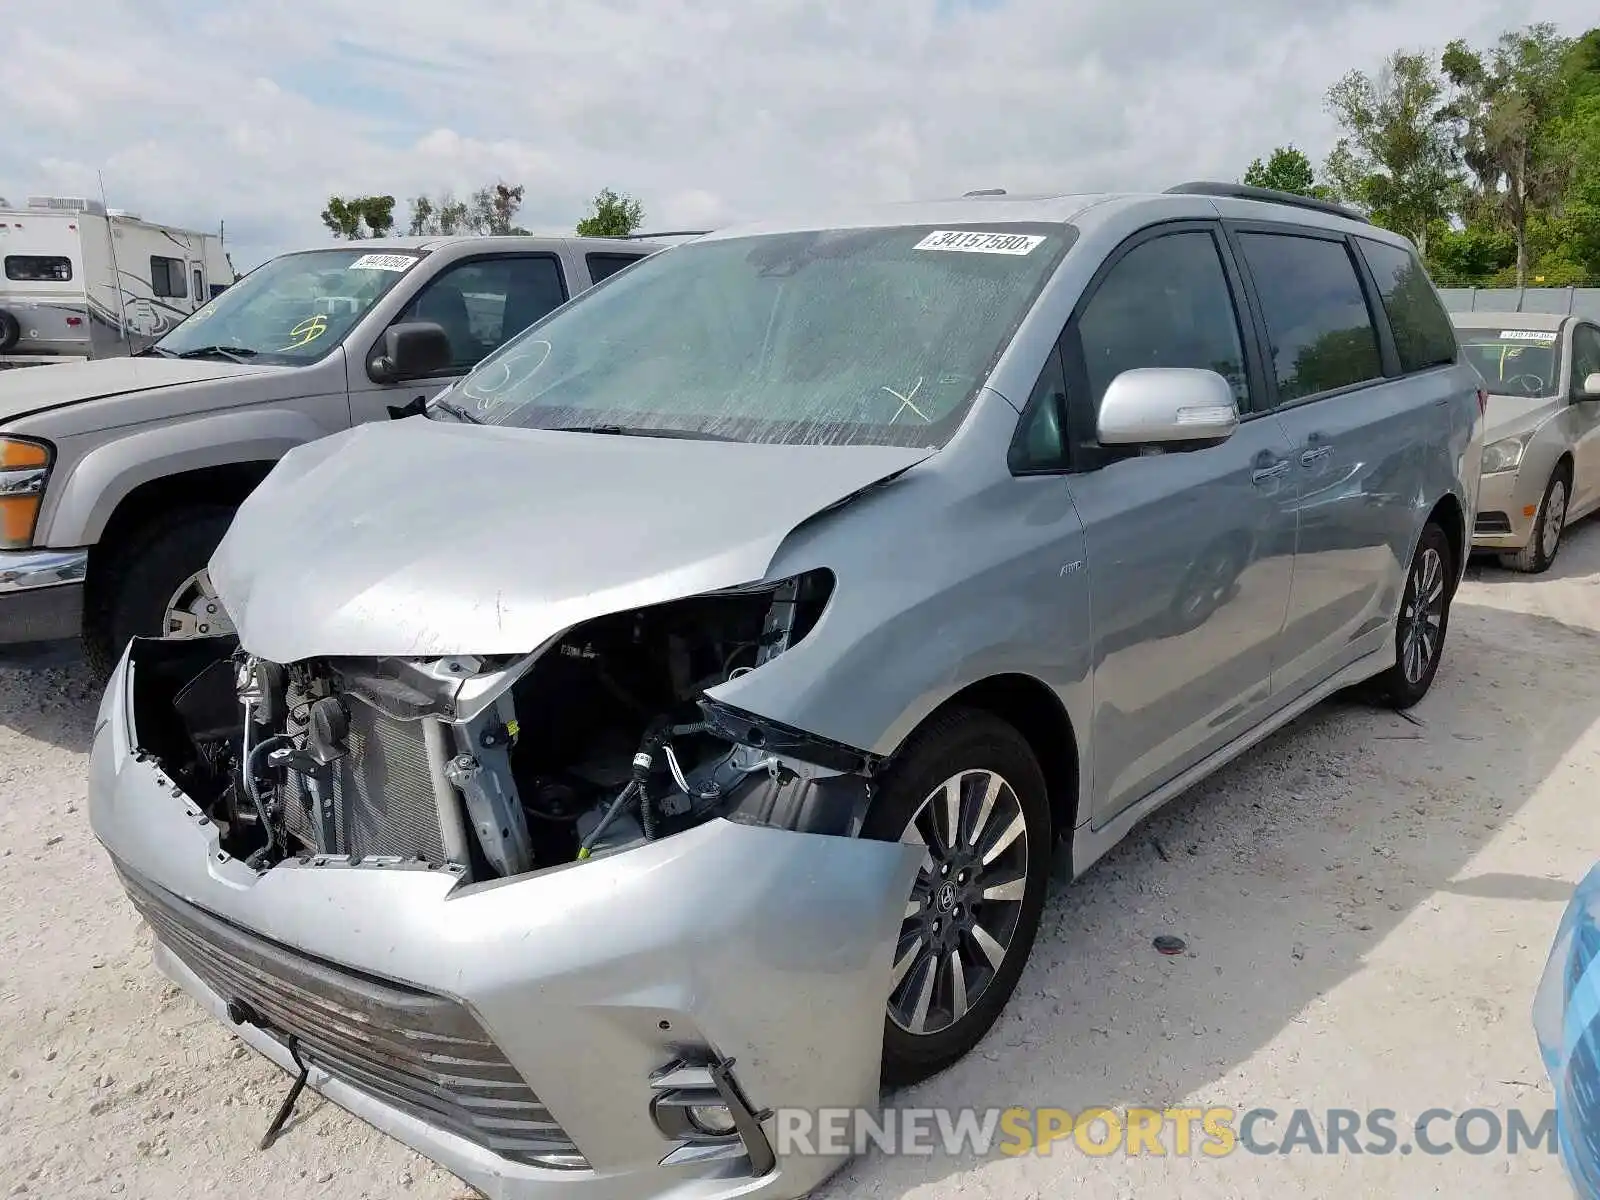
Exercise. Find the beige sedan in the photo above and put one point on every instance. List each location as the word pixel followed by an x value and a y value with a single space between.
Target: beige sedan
pixel 1541 447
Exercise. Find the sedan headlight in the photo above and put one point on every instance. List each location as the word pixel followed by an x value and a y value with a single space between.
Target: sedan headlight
pixel 1505 455
pixel 24 469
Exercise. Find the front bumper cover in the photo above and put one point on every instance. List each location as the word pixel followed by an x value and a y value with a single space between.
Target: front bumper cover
pixel 41 595
pixel 1507 493
pixel 765 946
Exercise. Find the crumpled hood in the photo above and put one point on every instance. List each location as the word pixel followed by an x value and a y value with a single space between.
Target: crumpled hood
pixel 420 538
pixel 30 389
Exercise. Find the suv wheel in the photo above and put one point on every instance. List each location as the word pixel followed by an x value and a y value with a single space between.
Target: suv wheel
pixel 1423 621
pixel 1548 525
pixel 970 791
pixel 156 586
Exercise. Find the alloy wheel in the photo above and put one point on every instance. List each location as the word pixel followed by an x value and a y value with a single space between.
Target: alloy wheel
pixel 1423 615
pixel 195 611
pixel 964 907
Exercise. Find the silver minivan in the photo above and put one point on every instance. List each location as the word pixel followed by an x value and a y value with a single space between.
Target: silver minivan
pixel 673 726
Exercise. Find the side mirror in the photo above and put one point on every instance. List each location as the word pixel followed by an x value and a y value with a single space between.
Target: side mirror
pixel 411 350
pixel 1590 388
pixel 1167 405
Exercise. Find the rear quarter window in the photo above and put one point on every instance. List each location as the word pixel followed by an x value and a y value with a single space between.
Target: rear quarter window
pixel 603 265
pixel 1423 335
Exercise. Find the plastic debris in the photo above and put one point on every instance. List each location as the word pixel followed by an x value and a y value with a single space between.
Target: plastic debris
pixel 1566 1018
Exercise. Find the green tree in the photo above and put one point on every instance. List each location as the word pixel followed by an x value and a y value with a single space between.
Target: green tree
pixel 490 211
pixel 611 215
pixel 1397 156
pixel 355 217
pixel 1286 170
pixel 1507 109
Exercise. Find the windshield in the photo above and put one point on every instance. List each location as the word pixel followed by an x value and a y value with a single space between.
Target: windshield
pixel 1514 362
pixel 291 310
pixel 877 335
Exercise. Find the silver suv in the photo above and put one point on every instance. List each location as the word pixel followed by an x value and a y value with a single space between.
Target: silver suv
pixel 677 724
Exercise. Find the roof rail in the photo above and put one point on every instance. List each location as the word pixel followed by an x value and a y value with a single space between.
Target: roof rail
pixel 645 237
pixel 1243 191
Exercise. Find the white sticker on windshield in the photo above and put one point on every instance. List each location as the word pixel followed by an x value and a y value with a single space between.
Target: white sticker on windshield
pixel 1527 335
pixel 383 262
pixel 979 243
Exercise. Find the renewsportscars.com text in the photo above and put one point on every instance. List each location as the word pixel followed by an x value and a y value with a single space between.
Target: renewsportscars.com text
pixel 1179 1132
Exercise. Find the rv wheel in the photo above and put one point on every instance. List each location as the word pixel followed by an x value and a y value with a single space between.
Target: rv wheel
pixel 10 331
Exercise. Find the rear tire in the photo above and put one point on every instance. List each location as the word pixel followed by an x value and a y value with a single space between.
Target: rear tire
pixel 136 585
pixel 1422 624
pixel 974 910
pixel 1548 525
pixel 10 331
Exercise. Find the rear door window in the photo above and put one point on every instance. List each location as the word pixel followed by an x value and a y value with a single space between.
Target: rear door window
pixel 1321 332
pixel 1423 335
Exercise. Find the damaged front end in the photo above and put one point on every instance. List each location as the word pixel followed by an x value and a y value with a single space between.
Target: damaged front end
pixel 523 913
pixel 601 740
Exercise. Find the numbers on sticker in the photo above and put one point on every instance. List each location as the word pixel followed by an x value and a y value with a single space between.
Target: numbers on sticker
pixel 977 242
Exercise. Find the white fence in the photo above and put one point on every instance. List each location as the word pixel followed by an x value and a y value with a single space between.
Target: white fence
pixel 1584 302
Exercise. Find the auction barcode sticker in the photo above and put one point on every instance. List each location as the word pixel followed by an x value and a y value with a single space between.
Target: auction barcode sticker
pixel 1527 335
pixel 383 262
pixel 979 243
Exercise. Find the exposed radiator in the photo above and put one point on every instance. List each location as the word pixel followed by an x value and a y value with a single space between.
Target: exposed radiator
pixel 383 795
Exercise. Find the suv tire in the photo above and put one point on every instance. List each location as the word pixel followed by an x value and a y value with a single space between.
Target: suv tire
pixel 1421 625
pixel 137 583
pixel 985 914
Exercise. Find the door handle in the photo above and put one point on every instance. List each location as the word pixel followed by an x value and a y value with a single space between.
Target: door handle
pixel 1267 474
pixel 1312 457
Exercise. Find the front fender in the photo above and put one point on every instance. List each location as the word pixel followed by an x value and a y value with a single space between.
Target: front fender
pixel 100 480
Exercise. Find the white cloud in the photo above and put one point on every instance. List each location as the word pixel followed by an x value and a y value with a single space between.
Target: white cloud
pixel 706 110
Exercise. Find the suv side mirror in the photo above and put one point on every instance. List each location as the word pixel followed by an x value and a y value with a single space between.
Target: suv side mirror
pixel 411 349
pixel 1166 405
pixel 1589 389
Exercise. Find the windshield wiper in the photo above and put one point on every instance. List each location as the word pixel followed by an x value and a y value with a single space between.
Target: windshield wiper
pixel 156 352
pixel 455 410
pixel 233 353
pixel 645 431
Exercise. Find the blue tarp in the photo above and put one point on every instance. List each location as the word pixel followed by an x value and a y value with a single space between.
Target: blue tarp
pixel 1566 1017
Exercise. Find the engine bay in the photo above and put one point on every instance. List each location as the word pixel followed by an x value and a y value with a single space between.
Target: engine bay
pixel 602 740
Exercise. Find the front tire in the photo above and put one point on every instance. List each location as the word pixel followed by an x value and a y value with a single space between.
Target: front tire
pixel 970 790
pixel 1423 621
pixel 1548 525
pixel 155 586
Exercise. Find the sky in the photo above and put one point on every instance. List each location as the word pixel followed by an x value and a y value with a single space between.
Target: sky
pixel 708 111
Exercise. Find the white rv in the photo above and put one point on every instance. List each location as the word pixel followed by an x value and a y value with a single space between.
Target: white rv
pixel 79 282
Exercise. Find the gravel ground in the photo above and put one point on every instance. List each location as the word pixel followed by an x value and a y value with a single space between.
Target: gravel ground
pixel 1367 900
